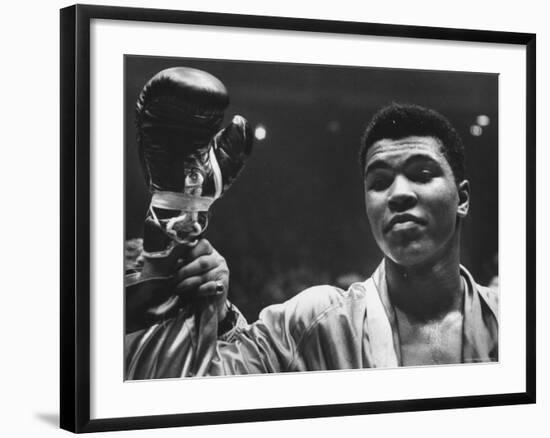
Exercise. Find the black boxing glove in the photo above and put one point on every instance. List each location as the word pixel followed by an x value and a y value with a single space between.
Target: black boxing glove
pixel 178 113
pixel 188 163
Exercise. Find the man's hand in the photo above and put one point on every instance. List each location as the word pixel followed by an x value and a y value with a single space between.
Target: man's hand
pixel 187 275
pixel 203 272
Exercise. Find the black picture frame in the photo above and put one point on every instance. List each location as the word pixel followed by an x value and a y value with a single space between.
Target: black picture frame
pixel 75 216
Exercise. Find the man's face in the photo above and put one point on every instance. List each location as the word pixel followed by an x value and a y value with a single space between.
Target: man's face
pixel 412 199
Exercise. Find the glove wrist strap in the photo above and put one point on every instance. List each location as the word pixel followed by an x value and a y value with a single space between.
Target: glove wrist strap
pixel 181 201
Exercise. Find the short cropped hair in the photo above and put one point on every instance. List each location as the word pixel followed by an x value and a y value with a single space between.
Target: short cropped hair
pixel 397 121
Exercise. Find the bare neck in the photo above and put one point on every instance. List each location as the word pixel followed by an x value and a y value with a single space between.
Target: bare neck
pixel 428 291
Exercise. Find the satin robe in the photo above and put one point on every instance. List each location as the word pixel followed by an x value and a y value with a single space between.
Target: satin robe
pixel 321 328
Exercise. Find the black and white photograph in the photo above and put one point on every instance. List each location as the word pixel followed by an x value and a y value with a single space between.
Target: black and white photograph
pixel 285 217
pixel 274 218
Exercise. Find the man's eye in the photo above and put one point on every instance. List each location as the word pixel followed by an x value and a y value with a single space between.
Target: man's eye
pixel 379 182
pixel 422 175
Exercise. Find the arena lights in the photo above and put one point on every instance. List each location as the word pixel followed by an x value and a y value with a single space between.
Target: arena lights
pixel 476 130
pixel 260 133
pixel 483 120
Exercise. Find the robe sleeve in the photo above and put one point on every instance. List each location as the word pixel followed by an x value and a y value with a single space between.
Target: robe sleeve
pixel 189 344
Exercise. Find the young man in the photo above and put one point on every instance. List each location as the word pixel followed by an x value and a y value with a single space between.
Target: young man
pixel 420 307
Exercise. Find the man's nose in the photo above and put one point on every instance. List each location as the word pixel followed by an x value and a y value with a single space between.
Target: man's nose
pixel 402 196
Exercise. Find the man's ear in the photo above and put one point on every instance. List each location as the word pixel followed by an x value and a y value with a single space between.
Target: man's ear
pixel 463 198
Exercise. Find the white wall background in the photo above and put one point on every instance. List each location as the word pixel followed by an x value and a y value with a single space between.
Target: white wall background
pixel 30 217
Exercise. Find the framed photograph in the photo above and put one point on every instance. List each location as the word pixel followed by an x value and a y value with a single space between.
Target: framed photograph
pixel 314 218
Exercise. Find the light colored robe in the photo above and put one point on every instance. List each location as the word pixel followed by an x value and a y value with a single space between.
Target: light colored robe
pixel 321 328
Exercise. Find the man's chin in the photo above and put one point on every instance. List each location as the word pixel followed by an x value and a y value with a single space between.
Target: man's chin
pixel 411 256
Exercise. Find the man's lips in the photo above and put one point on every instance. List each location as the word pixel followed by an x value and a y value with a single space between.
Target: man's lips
pixel 401 219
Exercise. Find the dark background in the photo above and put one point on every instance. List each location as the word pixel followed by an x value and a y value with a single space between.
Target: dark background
pixel 295 216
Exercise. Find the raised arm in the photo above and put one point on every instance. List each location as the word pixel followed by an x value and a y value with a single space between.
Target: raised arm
pixel 203 334
pixel 320 328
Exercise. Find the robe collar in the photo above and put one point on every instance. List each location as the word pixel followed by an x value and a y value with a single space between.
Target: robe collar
pixel 479 331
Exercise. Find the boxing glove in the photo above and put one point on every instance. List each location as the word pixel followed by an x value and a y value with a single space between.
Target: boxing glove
pixel 188 163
